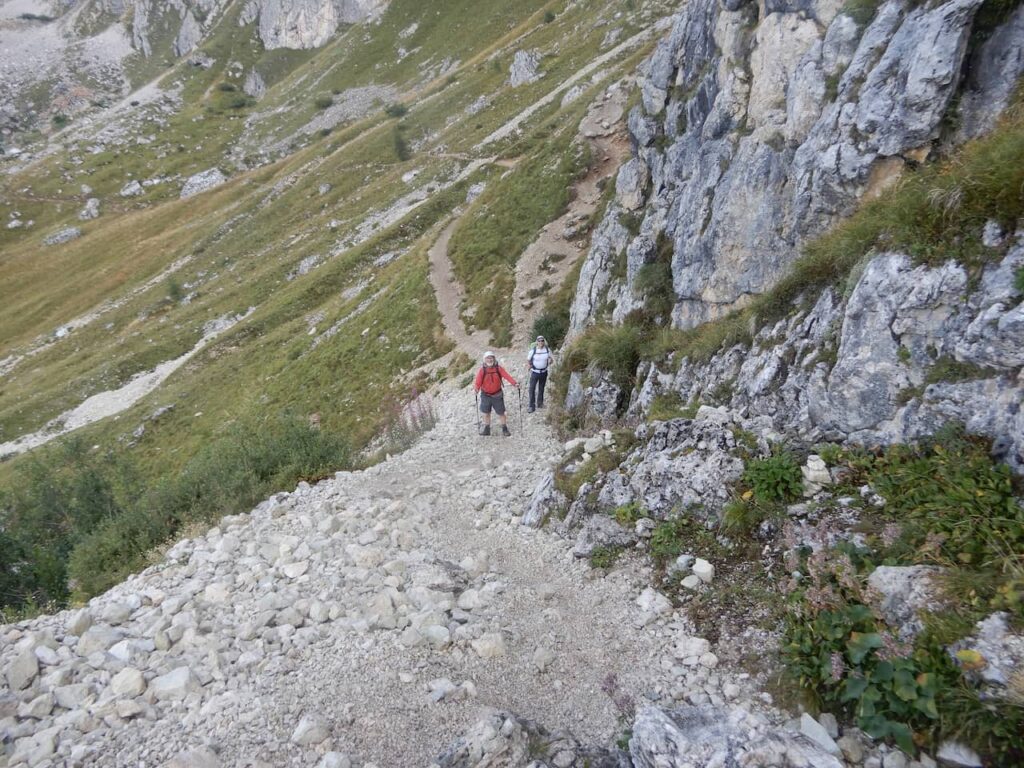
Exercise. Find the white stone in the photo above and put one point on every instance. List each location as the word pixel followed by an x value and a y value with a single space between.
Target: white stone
pixel 691 581
pixel 814 730
pixel 174 686
pixel 115 613
pixel 217 593
pixel 128 682
pixel 79 622
pixel 294 570
pixel 490 645
pixel 202 182
pixel 543 658
pixel 703 570
pixel 652 601
pixel 957 754
pixel 97 638
pixel 310 730
pixel 335 760
pixel 22 670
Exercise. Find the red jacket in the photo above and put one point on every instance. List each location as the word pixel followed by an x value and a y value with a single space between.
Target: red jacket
pixel 488 379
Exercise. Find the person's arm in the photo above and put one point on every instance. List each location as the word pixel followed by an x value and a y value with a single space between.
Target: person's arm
pixel 506 376
pixel 478 380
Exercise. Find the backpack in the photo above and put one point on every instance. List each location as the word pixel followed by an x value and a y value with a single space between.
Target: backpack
pixel 488 372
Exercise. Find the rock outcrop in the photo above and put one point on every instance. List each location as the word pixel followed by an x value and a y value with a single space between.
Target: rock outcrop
pixel 706 736
pixel 302 24
pixel 914 348
pixel 762 125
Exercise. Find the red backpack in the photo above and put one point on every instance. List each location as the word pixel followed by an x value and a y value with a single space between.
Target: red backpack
pixel 491 387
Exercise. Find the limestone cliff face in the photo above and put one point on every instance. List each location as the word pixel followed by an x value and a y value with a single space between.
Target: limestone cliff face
pixel 762 124
pixel 760 127
pixel 306 23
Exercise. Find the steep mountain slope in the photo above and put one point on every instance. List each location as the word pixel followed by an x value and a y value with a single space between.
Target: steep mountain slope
pixel 293 225
pixel 794 327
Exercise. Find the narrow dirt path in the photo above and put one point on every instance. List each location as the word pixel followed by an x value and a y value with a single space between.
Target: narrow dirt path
pixel 450 296
pixel 547 261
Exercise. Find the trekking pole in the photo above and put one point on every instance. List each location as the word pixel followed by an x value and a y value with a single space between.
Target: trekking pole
pixel 521 427
pixel 476 410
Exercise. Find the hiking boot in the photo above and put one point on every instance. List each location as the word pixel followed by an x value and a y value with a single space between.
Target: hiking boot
pixel 530 409
pixel 486 430
pixel 540 405
pixel 504 431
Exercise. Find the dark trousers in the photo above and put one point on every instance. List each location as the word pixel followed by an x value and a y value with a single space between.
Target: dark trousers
pixel 537 383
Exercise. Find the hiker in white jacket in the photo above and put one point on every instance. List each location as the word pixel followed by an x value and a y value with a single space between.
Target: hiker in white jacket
pixel 538 360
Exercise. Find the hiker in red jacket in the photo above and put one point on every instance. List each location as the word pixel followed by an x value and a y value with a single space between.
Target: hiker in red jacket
pixel 488 384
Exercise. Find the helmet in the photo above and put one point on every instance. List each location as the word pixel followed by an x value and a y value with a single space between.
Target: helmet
pixel 487 354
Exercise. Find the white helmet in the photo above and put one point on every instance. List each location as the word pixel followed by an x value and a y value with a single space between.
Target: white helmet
pixel 487 354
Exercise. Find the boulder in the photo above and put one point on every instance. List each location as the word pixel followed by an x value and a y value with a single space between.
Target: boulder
pixel 906 591
pixel 199 757
pixel 652 601
pixel 132 189
pixel 22 669
pixel 546 500
pixel 992 655
pixel 703 570
pixel 525 68
pixel 490 645
pixel 174 686
pixel 128 682
pixel 91 209
pixel 701 737
pixel 958 755
pixel 203 182
pixel 62 236
pixel 311 730
pixel 819 734
pixel 601 531
pixel 97 638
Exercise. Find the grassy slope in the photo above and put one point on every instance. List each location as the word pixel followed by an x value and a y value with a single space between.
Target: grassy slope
pixel 242 241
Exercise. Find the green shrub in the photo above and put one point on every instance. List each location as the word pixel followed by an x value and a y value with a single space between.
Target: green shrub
pixel 549 16
pixel 615 349
pixel 1018 280
pixel 949 369
pixel 861 11
pixel 668 539
pixel 889 691
pixel 628 514
pixel 552 326
pixel 949 488
pixel 670 405
pixel 227 87
pixel 946 502
pixel 174 292
pixel 396 110
pixel 605 557
pixel 775 479
pixel 654 282
pixel 402 151
pixel 741 516
pixel 323 101
pixel 87 517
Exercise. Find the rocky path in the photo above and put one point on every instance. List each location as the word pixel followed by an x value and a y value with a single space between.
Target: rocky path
pixel 376 614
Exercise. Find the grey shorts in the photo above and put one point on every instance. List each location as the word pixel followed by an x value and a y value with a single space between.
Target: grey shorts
pixel 497 402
